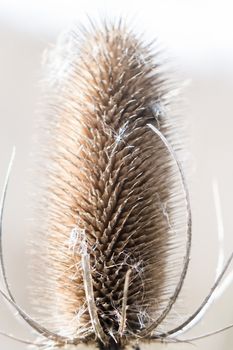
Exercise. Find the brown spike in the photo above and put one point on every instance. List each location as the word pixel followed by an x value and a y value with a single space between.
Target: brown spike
pixel 112 189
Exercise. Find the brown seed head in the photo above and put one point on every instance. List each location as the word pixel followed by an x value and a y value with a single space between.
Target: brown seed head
pixel 113 192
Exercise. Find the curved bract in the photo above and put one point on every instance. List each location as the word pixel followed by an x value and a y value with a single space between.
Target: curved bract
pixel 112 246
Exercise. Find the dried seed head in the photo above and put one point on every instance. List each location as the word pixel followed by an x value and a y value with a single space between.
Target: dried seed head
pixel 115 209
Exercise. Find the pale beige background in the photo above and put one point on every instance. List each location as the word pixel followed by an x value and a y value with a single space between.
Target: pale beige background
pixel 210 99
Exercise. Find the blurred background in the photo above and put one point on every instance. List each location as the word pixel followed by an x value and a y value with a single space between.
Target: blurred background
pixel 198 35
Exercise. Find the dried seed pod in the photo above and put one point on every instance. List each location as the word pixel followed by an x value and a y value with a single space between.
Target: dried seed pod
pixel 115 191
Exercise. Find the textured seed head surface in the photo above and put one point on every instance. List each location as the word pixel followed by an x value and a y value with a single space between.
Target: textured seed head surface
pixel 111 185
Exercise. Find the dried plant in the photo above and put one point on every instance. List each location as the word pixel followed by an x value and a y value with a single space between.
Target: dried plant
pixel 116 235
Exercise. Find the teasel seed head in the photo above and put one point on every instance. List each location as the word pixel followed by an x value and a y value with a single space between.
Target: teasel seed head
pixel 114 223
